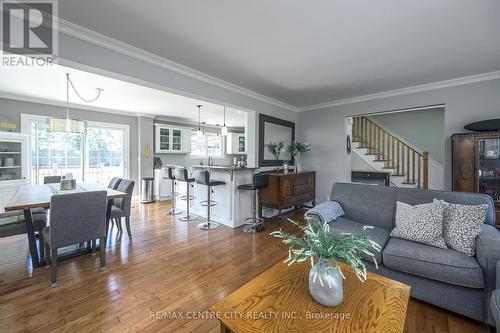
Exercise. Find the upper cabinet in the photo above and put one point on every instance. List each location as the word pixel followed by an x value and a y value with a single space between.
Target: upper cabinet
pixel 172 140
pixel 236 144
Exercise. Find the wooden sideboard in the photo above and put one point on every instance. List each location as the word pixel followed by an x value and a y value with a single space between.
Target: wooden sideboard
pixel 289 190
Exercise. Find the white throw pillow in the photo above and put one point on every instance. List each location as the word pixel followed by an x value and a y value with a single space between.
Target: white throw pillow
pixel 462 224
pixel 420 223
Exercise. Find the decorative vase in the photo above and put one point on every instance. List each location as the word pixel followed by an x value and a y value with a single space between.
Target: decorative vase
pixel 297 165
pixel 325 284
pixel 285 167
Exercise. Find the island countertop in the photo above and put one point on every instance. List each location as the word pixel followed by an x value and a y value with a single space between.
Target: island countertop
pixel 229 167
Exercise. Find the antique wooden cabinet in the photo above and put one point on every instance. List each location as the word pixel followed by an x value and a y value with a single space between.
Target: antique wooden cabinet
pixel 288 190
pixel 476 165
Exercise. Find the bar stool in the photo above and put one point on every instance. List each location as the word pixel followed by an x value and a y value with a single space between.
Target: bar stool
pixel 203 178
pixel 254 223
pixel 173 194
pixel 182 174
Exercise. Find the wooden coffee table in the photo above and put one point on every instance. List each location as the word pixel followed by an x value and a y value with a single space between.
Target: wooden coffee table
pixel 278 300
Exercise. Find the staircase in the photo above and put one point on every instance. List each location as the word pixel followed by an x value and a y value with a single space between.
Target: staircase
pixel 384 150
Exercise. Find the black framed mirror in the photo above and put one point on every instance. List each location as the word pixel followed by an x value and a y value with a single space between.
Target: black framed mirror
pixel 274 130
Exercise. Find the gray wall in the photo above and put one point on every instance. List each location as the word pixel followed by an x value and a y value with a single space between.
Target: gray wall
pixel 424 129
pixel 11 110
pixel 325 130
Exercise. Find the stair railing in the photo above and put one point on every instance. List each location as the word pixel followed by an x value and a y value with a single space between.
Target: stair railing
pixel 396 154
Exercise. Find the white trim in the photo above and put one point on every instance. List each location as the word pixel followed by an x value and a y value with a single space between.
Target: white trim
pixel 27 118
pixel 90 36
pixel 40 100
pixel 409 90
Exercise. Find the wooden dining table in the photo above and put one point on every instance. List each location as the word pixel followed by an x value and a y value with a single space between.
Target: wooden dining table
pixel 28 197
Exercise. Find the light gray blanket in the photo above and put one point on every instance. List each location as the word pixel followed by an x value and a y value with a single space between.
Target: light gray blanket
pixel 326 211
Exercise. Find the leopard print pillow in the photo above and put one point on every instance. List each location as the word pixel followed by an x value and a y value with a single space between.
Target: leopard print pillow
pixel 461 225
pixel 420 223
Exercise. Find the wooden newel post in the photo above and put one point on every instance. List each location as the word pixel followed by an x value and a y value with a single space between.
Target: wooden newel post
pixel 425 158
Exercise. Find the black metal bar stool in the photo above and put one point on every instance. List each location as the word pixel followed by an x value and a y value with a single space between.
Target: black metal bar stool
pixel 183 175
pixel 255 223
pixel 203 178
pixel 173 194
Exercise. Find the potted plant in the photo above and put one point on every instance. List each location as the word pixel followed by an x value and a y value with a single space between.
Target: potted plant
pixel 325 251
pixel 275 150
pixel 295 149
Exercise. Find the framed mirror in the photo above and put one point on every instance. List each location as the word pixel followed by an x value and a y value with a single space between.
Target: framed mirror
pixel 274 130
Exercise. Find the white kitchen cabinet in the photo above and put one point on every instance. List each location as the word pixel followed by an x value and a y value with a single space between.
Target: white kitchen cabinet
pixel 172 139
pixel 236 144
pixel 13 164
pixel 162 184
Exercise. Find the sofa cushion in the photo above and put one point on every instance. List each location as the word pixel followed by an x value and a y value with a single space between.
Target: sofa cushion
pixel 420 223
pixel 378 235
pixel 367 204
pixel 443 265
pixel 415 196
pixel 461 225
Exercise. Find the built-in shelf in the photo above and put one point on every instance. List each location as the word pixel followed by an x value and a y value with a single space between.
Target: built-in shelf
pixel 10 167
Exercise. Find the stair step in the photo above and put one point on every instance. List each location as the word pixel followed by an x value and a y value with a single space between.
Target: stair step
pixel 362 146
pixel 388 167
pixel 356 141
pixel 377 160
pixel 410 183
pixel 398 175
pixel 372 154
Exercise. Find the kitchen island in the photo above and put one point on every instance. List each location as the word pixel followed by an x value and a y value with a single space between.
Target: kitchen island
pixel 233 206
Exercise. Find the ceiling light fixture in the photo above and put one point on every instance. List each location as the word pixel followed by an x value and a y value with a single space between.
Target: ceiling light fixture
pixel 68 125
pixel 199 133
pixel 224 130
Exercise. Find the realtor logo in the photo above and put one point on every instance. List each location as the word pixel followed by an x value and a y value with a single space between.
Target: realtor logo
pixel 28 29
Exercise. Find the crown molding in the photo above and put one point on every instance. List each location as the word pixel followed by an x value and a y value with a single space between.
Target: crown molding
pixel 405 91
pixel 90 36
pixel 40 100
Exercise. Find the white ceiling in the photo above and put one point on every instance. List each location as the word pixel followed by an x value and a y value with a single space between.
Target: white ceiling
pixel 306 52
pixel 49 84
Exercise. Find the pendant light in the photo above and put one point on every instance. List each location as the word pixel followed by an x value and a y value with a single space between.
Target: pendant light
pixel 224 130
pixel 68 125
pixel 199 132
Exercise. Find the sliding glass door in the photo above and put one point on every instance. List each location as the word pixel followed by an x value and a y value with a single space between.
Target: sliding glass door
pixel 96 157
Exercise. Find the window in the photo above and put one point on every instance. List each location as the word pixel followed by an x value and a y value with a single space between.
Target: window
pixel 205 146
pixel 96 157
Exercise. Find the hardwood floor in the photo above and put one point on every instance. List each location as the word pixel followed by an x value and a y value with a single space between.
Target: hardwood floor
pixel 169 269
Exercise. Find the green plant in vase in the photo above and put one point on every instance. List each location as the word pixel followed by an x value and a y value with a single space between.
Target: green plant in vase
pixel 275 149
pixel 328 250
pixel 295 149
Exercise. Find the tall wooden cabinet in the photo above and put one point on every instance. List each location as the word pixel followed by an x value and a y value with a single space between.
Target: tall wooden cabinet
pixel 476 165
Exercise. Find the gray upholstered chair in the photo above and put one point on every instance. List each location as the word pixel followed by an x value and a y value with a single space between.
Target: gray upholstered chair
pixel 495 300
pixel 115 181
pixel 121 207
pixel 69 225
pixel 13 223
pixel 52 179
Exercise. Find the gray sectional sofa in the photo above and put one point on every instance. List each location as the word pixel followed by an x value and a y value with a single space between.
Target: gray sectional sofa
pixel 443 277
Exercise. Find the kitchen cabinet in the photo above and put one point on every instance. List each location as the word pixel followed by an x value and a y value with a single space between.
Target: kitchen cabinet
pixel 172 140
pixel 13 165
pixel 236 144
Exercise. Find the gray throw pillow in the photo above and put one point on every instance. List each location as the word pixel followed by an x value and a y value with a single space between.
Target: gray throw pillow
pixel 420 223
pixel 461 225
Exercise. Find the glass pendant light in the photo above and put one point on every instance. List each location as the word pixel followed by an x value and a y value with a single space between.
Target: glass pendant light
pixel 199 132
pixel 224 130
pixel 68 125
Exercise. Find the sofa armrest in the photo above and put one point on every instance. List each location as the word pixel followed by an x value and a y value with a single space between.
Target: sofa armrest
pixel 498 275
pixel 488 255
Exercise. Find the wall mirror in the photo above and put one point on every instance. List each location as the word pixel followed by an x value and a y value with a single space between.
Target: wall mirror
pixel 274 130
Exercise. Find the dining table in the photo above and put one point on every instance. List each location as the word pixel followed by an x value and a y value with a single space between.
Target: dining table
pixel 28 197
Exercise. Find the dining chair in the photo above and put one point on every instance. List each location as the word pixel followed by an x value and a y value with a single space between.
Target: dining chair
pixel 121 206
pixel 52 179
pixel 115 181
pixel 68 226
pixel 13 223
